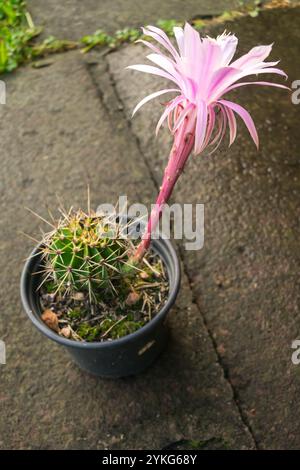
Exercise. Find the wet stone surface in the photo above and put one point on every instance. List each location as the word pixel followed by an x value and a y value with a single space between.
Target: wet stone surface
pixel 72 19
pixel 59 136
pixel 246 278
pixel 226 379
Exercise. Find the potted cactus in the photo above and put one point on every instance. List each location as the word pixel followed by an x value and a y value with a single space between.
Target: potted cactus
pixel 82 288
pixel 105 296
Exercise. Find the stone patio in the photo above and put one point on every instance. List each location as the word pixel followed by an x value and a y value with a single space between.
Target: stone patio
pixel 226 379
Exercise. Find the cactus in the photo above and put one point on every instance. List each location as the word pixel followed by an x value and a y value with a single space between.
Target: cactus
pixel 86 252
pixel 90 290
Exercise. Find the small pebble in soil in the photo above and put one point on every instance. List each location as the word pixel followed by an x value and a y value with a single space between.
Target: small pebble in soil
pixel 132 298
pixel 107 316
pixel 51 319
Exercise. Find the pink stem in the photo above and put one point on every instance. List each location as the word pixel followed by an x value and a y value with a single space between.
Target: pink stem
pixel 182 147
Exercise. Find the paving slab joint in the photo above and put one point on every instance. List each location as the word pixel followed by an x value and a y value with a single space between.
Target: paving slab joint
pixel 221 363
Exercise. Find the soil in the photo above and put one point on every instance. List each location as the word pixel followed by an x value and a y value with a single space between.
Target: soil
pixel 108 316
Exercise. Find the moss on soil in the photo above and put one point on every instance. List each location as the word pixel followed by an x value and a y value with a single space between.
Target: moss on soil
pixel 109 316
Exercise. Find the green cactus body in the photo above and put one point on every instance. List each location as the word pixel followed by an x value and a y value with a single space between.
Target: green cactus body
pixel 82 253
pixel 91 282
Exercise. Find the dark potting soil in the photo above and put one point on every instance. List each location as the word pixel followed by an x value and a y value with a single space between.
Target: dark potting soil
pixel 109 314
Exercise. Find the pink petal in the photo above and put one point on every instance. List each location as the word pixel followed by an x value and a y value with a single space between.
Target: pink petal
pixel 228 47
pixel 167 111
pixel 243 113
pixel 210 126
pixel 179 35
pixel 237 85
pixel 224 81
pixel 168 66
pixel 162 38
pixel 164 63
pixel 221 79
pixel 270 64
pixel 263 70
pixel 150 97
pixel 257 71
pixel 220 119
pixel 150 45
pixel 221 131
pixel 192 42
pixel 209 63
pixel 182 116
pixel 201 125
pixel 152 70
pixel 231 124
pixel 253 57
pixel 170 122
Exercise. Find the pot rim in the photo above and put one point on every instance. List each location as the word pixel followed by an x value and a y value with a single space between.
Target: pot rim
pixel 170 254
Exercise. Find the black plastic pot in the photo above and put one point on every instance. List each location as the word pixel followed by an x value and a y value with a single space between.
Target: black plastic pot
pixel 116 358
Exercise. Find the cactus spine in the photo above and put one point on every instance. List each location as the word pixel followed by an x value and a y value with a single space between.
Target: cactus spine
pixel 86 252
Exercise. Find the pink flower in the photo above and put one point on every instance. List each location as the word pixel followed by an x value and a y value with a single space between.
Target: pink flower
pixel 203 72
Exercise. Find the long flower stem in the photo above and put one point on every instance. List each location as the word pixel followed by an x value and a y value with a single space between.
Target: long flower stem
pixel 182 147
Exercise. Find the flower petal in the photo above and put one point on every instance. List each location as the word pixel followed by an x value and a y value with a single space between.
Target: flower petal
pixel 221 79
pixel 165 63
pixel 243 113
pixel 202 75
pixel 179 35
pixel 161 37
pixel 220 123
pixel 228 45
pixel 167 111
pixel 152 70
pixel 221 131
pixel 253 57
pixel 260 70
pixel 182 116
pixel 209 63
pixel 201 125
pixel 270 64
pixel 210 125
pixel 231 124
pixel 151 97
pixel 150 45
pixel 192 61
pixel 237 85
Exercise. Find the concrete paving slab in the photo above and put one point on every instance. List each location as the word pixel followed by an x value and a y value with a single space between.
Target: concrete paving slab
pixel 246 278
pixel 72 19
pixel 57 135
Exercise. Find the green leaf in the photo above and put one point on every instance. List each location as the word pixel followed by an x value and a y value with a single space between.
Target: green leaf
pixel 3 54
